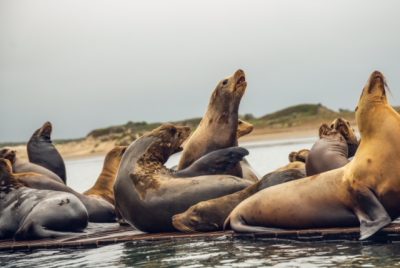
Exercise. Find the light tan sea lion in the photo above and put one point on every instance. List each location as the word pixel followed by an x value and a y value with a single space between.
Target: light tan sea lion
pixel 364 192
pixel 219 126
pixel 104 186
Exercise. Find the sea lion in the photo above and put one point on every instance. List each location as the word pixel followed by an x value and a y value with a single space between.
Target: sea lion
pixel 31 214
pixel 98 209
pixel 218 128
pixel 146 193
pixel 364 192
pixel 217 162
pixel 297 160
pixel 299 156
pixel 20 165
pixel 210 215
pixel 104 186
pixel 327 153
pixel 243 128
pixel 42 152
pixel 349 134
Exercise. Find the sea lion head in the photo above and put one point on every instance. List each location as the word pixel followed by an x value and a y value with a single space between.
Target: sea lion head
pixel 229 92
pixel 43 133
pixel 7 180
pixel 300 156
pixel 115 155
pixel 344 128
pixel 198 218
pixel 244 128
pixel 373 95
pixel 169 139
pixel 326 132
pixel 9 154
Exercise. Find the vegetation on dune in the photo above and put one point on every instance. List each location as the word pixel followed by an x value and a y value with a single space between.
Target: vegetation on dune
pixel 306 115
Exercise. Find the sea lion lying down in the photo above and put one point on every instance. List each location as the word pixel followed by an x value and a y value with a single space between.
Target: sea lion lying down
pixel 364 192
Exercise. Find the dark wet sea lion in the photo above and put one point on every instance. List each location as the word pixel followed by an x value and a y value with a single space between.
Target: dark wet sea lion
pixel 104 186
pixel 20 165
pixel 218 128
pixel 327 153
pixel 217 162
pixel 146 193
pixel 99 210
pixel 27 213
pixel 210 215
pixel 344 128
pixel 365 192
pixel 42 152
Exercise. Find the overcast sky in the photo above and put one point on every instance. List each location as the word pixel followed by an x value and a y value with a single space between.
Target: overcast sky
pixel 84 64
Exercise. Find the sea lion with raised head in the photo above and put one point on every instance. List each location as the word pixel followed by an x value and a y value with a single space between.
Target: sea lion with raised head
pixel 348 133
pixel 20 166
pixel 42 152
pixel 365 192
pixel 209 215
pixel 104 186
pixel 147 194
pixel 219 126
pixel 327 153
pixel 32 214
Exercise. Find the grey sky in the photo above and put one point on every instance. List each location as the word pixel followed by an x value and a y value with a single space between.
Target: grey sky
pixel 84 64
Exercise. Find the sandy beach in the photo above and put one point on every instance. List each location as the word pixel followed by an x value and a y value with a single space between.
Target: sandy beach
pixel 93 147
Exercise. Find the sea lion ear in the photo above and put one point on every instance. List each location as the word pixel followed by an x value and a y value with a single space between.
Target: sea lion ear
pixel 324 129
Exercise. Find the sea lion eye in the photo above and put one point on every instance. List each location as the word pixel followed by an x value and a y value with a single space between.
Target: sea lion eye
pixel 225 82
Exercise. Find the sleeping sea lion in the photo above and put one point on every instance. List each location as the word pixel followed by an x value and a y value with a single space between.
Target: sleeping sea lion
pixel 32 214
pixel 98 209
pixel 209 215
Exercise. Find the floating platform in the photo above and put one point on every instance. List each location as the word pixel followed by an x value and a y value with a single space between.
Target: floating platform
pixel 101 235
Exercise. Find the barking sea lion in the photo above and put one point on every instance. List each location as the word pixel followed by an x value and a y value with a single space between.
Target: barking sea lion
pixel 364 192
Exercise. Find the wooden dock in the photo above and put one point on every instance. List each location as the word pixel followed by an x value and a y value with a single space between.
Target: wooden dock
pixel 113 233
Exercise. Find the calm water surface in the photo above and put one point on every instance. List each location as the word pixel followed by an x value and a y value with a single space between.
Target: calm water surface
pixel 221 252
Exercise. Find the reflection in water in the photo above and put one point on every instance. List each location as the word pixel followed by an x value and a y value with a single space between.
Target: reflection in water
pixel 221 252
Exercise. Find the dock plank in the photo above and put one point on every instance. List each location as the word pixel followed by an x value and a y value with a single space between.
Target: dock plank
pixel 112 234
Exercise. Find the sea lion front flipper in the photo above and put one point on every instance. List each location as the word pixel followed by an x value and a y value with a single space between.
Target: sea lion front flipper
pixel 371 213
pixel 216 162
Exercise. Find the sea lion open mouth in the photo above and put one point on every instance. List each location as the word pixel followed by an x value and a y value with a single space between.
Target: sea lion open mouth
pixel 240 81
pixel 375 78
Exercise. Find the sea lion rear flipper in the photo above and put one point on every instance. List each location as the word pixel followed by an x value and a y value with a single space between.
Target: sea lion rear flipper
pixel 216 162
pixel 239 225
pixel 371 213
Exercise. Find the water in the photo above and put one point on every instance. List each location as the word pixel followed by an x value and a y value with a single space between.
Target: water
pixel 221 252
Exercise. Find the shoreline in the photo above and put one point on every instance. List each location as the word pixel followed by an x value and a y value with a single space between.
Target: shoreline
pixel 92 148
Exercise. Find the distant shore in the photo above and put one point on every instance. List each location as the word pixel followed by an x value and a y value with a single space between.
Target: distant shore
pixel 92 147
